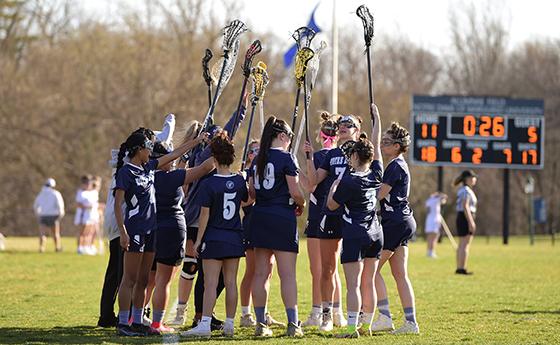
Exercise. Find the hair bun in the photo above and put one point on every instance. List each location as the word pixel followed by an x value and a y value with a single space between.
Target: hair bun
pixel 325 115
pixel 363 136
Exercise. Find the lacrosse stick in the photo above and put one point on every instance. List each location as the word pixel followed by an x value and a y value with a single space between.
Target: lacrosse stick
pixel 448 232
pixel 230 47
pixel 303 37
pixel 253 50
pixel 261 114
pixel 259 76
pixel 313 69
pixel 206 74
pixel 367 21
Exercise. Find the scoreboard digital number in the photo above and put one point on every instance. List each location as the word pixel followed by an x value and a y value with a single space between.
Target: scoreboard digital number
pixel 490 132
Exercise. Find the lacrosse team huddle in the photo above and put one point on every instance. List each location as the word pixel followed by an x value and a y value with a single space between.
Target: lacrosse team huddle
pixel 186 208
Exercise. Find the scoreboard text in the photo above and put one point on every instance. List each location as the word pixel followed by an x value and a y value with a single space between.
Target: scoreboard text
pixel 490 132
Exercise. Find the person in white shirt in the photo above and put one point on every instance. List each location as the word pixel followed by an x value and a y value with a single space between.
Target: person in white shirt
pixel 433 221
pixel 82 213
pixel 466 215
pixel 49 208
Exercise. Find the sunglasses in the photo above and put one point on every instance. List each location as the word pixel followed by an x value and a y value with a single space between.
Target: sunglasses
pixel 149 145
pixel 387 142
pixel 254 151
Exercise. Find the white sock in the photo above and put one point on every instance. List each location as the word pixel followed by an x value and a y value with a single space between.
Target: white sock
pixel 316 310
pixel 205 322
pixel 229 323
pixel 337 310
pixel 245 310
pixel 352 318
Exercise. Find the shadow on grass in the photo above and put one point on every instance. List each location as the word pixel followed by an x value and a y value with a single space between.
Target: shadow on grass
pixel 94 335
pixel 509 311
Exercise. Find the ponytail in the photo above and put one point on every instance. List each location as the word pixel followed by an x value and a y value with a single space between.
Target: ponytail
pixel 136 141
pixel 120 157
pixel 266 142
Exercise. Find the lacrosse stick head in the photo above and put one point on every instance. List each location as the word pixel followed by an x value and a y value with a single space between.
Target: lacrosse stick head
pixel 231 59
pixel 367 21
pixel 260 79
pixel 313 65
pixel 205 69
pixel 302 59
pixel 303 37
pixel 253 50
pixel 231 34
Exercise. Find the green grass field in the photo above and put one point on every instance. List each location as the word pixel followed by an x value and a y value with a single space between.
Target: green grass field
pixel 513 297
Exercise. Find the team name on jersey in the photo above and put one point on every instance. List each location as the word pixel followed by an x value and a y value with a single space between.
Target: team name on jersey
pixel 143 181
pixel 338 161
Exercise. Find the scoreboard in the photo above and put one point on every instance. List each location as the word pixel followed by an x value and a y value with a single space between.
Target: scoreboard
pixel 481 132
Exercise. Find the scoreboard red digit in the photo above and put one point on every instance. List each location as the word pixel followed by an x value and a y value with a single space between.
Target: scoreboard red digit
pixel 491 132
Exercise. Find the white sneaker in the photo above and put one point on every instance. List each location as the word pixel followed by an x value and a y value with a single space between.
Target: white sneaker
pixel 327 323
pixel 146 321
pixel 270 321
pixel 197 332
pixel 179 319
pixel 339 320
pixel 431 255
pixel 247 321
pixel 313 320
pixel 228 331
pixel 408 327
pixel 382 324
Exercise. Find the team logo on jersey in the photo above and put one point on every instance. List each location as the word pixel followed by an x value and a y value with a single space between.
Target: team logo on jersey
pixel 230 185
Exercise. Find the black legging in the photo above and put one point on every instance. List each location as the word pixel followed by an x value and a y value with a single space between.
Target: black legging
pixel 199 288
pixel 113 276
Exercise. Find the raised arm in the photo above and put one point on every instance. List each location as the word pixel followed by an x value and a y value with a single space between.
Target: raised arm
pixel 198 172
pixel 178 152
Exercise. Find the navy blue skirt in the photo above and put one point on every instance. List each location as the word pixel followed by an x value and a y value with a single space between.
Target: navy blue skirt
pixel 273 231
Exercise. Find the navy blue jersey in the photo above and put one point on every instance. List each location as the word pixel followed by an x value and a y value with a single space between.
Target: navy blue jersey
pixel 247 209
pixel 272 189
pixel 192 205
pixel 169 196
pixel 336 165
pixel 357 191
pixel 139 196
pixel 223 194
pixel 317 198
pixel 395 205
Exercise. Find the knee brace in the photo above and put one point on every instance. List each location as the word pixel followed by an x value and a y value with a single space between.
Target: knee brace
pixel 190 267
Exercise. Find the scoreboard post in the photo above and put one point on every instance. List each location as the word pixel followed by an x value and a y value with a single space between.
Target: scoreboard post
pixel 478 132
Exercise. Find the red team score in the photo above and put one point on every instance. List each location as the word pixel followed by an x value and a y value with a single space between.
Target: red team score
pixel 491 132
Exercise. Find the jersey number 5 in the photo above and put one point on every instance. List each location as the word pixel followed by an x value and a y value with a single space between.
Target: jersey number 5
pixel 229 205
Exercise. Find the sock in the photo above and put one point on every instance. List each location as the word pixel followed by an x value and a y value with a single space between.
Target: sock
pixel 336 305
pixel 205 322
pixel 123 317
pixel 228 323
pixel 366 319
pixel 316 310
pixel 383 306
pixel 137 315
pixel 245 310
pixel 292 315
pixel 352 321
pixel 158 316
pixel 259 313
pixel 410 314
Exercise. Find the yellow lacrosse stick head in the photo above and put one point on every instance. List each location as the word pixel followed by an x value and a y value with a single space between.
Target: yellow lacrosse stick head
pixel 260 81
pixel 302 58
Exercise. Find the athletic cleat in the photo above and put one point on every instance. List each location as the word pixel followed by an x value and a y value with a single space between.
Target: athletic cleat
pixel 327 323
pixel 314 320
pixel 262 330
pixel 128 331
pixel 364 331
pixel 228 332
pixel 271 322
pixel 216 324
pixel 146 321
pixel 408 327
pixel 197 332
pixel 140 328
pixel 462 271
pixel 294 330
pixel 106 323
pixel 382 324
pixel 177 321
pixel 247 321
pixel 339 320
pixel 352 335
pixel 161 328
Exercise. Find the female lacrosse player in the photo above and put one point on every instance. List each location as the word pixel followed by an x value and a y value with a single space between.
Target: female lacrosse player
pixel 466 214
pixel 362 235
pixel 398 227
pixel 330 228
pixel 273 183
pixel 317 194
pixel 220 235
pixel 135 186
pixel 171 229
pixel 433 221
